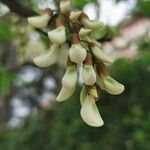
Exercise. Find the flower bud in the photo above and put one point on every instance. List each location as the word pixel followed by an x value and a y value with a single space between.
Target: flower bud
pixel 89 75
pixel 74 15
pixel 88 72
pixel 83 94
pixel 58 35
pixel 99 33
pixel 90 114
pixel 84 31
pixel 93 92
pixel 110 85
pixel 65 6
pixel 47 58
pixel 77 53
pixel 41 21
pixel 70 78
pixel 100 55
pixel 64 94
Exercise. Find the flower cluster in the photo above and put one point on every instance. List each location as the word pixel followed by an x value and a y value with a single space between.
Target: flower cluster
pixel 80 34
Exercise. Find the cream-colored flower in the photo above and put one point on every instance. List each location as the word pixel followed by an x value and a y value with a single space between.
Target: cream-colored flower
pixel 83 95
pixel 47 58
pixel 99 33
pixel 88 74
pixel 64 94
pixel 70 78
pixel 100 55
pixel 90 40
pixel 92 24
pixel 65 6
pixel 74 15
pixel 77 53
pixel 63 55
pixel 58 36
pixel 84 31
pixel 41 21
pixel 110 85
pixel 90 114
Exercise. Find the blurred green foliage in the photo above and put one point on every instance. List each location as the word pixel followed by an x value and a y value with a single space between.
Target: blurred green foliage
pixel 127 118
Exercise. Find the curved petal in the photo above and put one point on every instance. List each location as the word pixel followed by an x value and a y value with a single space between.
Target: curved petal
pixel 70 78
pixel 39 21
pixel 47 58
pixel 90 114
pixel 64 94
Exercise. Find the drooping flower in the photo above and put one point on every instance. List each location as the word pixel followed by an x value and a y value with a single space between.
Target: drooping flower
pixel 84 31
pixel 90 114
pixel 100 55
pixel 107 83
pixel 88 72
pixel 41 21
pixel 74 15
pixel 48 57
pixel 77 53
pixel 65 6
pixel 110 85
pixel 58 35
pixel 69 80
pixel 64 94
pixel 92 24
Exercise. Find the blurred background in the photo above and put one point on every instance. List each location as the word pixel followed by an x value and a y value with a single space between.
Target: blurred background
pixel 30 117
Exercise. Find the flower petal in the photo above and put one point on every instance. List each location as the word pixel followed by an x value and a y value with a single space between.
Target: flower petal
pixel 64 94
pixel 90 114
pixel 70 78
pixel 39 21
pixel 57 36
pixel 47 58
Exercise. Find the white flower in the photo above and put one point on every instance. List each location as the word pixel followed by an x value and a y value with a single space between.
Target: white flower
pixel 65 6
pixel 64 94
pixel 83 95
pixel 90 114
pixel 74 15
pixel 84 31
pixel 63 55
pixel 99 33
pixel 57 36
pixel 88 74
pixel 47 58
pixel 70 78
pixel 100 55
pixel 110 85
pixel 41 21
pixel 77 53
pixel 88 39
pixel 91 23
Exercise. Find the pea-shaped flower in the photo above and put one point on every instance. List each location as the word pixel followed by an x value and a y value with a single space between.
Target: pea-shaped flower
pixel 84 31
pixel 48 57
pixel 64 94
pixel 88 72
pixel 74 15
pixel 70 78
pixel 100 55
pixel 58 35
pixel 41 21
pixel 92 24
pixel 77 53
pixel 110 85
pixel 90 113
pixel 65 6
